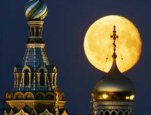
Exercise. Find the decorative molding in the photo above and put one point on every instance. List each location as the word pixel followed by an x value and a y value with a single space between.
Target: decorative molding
pixel 35 45
pixel 35 22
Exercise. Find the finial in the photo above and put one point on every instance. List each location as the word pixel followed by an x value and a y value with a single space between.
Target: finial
pixel 35 10
pixel 114 36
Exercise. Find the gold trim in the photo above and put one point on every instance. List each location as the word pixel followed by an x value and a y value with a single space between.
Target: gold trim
pixel 50 101
pixel 35 45
pixel 19 104
pixel 35 22
pixel 40 37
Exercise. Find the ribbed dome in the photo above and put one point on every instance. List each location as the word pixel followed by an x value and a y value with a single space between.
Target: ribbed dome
pixel 36 10
pixel 114 86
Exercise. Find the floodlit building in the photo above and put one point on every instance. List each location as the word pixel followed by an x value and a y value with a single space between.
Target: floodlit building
pixel 35 80
pixel 113 94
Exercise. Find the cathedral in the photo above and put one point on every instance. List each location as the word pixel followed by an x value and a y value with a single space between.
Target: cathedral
pixel 113 94
pixel 35 79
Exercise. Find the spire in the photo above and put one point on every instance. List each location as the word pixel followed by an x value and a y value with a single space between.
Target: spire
pixel 114 69
pixel 35 55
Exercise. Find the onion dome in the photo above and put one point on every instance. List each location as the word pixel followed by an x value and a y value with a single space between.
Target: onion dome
pixel 114 85
pixel 36 10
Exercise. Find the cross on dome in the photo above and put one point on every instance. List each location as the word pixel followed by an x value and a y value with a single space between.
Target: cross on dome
pixel 114 36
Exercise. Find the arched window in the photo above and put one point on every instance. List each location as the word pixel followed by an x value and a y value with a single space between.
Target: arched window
pixel 114 113
pixel 42 77
pixel 107 113
pixel 26 77
pixel 120 113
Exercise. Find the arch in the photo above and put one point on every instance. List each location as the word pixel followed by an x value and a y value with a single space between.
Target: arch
pixel 26 77
pixel 44 68
pixel 26 70
pixel 40 96
pixel 50 96
pixel 29 96
pixel 107 113
pixel 18 96
pixel 61 96
pixel 9 95
pixel 26 67
pixel 54 69
pixel 15 69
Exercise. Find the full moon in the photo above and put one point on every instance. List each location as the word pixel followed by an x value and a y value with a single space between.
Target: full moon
pixel 98 45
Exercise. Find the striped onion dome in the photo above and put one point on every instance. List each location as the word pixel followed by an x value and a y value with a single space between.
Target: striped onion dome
pixel 36 10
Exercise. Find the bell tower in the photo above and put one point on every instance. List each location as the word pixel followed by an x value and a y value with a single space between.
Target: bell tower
pixel 35 80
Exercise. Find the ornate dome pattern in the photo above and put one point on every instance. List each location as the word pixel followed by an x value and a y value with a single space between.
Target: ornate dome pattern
pixel 36 10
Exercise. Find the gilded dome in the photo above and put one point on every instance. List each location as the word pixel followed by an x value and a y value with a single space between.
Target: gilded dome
pixel 36 10
pixel 114 86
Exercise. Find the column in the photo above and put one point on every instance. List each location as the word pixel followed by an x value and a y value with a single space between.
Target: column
pixel 17 82
pixel 38 78
pixel 29 80
pixel 52 75
pixel 23 83
pixel 55 79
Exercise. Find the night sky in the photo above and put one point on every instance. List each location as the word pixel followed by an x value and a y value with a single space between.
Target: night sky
pixel 64 31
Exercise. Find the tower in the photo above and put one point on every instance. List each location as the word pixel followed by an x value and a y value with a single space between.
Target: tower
pixel 113 94
pixel 35 80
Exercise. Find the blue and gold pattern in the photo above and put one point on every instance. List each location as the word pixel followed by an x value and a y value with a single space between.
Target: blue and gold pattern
pixel 35 80
pixel 36 10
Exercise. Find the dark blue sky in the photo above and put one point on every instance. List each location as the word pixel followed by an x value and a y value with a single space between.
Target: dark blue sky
pixel 65 28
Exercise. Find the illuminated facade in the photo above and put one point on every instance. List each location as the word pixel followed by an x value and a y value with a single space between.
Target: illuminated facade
pixel 114 94
pixel 35 80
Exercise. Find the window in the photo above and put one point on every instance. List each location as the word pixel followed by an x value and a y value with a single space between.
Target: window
pixel 42 77
pixel 32 29
pixel 26 77
pixel 130 113
pixel 120 113
pixel 37 31
pixel 101 113
pixel 107 113
pixel 126 113
pixel 114 113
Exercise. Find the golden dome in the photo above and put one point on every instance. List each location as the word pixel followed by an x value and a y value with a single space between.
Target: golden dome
pixel 114 86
